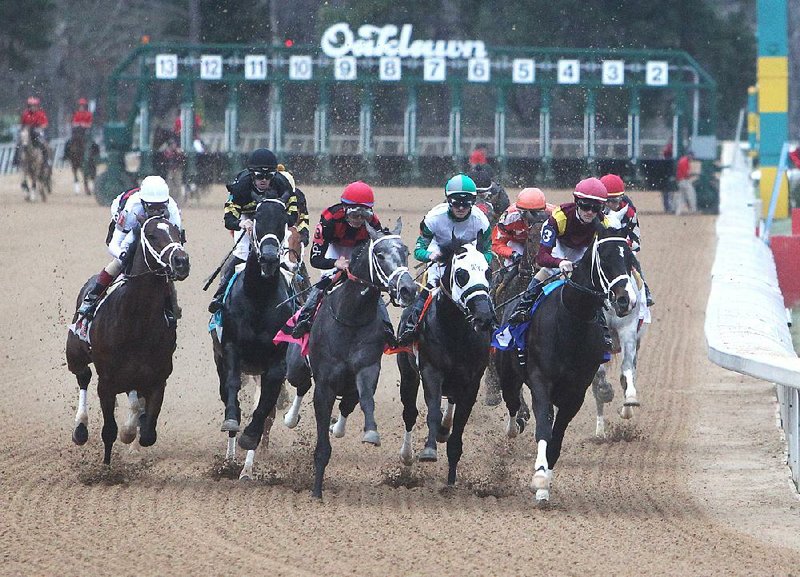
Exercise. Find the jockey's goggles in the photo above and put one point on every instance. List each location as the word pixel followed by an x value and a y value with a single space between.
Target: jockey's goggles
pixel 461 201
pixel 262 174
pixel 154 208
pixel 359 211
pixel 590 206
pixel 533 216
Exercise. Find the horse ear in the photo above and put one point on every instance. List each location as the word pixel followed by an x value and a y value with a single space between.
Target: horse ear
pixel 373 234
pixel 398 227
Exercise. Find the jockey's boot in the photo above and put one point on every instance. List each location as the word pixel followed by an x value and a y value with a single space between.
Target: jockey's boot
pixel 522 312
pixel 309 308
pixel 172 311
pixel 91 298
pixel 648 296
pixel 608 343
pixel 227 272
pixel 388 328
pixel 408 331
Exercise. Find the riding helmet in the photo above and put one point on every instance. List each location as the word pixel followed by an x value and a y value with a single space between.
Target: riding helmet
pixel 591 189
pixel 460 185
pixel 154 189
pixel 358 193
pixel 33 101
pixel 614 185
pixel 262 158
pixel 82 102
pixel 531 199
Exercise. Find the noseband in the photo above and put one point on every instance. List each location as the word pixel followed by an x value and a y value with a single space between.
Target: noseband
pixel 605 283
pixel 258 241
pixel 384 281
pixel 162 267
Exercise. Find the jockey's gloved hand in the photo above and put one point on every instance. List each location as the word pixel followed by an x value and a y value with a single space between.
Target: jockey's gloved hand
pixel 515 257
pixel 280 184
pixel 565 266
pixel 434 256
pixel 304 237
pixel 246 224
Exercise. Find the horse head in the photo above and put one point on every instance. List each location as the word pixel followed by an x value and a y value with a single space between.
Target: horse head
pixel 611 265
pixel 162 248
pixel 388 264
pixel 468 278
pixel 269 229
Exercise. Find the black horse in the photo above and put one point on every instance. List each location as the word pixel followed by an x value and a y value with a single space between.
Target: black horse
pixel 453 351
pixel 255 309
pixel 347 340
pixel 132 341
pixel 565 348
pixel 82 159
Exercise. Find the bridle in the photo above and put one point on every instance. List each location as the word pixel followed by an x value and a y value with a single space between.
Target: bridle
pixel 384 281
pixel 163 267
pixel 606 284
pixel 257 240
pixel 466 297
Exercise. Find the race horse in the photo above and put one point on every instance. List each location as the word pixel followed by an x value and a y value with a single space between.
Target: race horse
pixel 256 306
pixel 451 355
pixel 130 340
pixel 562 347
pixel 81 159
pixel 36 172
pixel 626 332
pixel 347 339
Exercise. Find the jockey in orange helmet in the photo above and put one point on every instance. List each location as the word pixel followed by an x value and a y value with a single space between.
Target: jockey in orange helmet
pixel 511 231
pixel 620 204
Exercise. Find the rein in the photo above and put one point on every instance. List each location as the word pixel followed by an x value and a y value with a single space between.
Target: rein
pixel 257 241
pixel 147 249
pixel 375 271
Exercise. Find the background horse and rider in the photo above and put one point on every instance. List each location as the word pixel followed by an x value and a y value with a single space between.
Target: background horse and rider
pixel 82 153
pixel 36 170
pixel 130 340
pixel 557 353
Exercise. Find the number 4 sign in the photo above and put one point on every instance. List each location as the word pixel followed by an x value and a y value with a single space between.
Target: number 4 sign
pixel 569 71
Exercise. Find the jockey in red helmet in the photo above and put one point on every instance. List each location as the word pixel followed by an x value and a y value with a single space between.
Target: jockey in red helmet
pixel 82 118
pixel 35 119
pixel 565 237
pixel 620 204
pixel 341 227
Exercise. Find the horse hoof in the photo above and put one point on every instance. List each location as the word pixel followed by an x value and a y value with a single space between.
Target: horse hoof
pixel 372 437
pixel 521 425
pixel 406 457
pixel 542 496
pixel 147 439
pixel 127 436
pixel 428 455
pixel 81 434
pixel 247 442
pixel 291 421
pixel 442 436
pixel 631 401
pixel 230 426
pixel 512 429
pixel 246 474
pixel 626 412
pixel 541 480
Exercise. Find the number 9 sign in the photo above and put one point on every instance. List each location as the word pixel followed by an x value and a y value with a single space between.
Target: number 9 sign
pixel 344 68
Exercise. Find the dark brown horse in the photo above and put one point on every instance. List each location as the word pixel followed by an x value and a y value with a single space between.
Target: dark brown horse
pixel 36 172
pixel 132 341
pixel 82 159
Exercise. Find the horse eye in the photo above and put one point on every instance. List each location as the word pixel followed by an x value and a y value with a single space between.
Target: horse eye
pixel 381 256
pixel 462 277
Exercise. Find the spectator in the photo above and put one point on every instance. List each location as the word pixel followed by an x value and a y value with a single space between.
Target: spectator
pixel 478 157
pixel 686 194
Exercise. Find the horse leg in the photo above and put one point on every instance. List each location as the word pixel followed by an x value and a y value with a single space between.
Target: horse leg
pixel 81 432
pixel 128 431
pixel 367 382
pixel 109 433
pixel 455 444
pixel 409 387
pixel 230 451
pixel 603 393
pixel 346 406
pixel 292 416
pixel 512 391
pixel 271 381
pixel 75 182
pixel 232 385
pixel 493 394
pixel 299 376
pixel 628 373
pixel 447 422
pixel 543 411
pixel 247 470
pixel 323 407
pixel 432 381
pixel 147 429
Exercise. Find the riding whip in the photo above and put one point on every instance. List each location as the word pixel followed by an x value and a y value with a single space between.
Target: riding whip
pixel 214 274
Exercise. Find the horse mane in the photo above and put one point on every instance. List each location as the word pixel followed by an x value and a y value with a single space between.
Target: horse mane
pixel 451 247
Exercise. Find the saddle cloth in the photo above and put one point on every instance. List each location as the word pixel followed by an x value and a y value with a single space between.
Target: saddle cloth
pixel 515 336
pixel 80 328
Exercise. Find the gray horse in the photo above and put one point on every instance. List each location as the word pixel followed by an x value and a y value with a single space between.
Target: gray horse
pixel 347 340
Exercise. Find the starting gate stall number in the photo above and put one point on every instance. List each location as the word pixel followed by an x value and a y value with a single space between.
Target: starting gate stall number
pixel 255 67
pixel 210 67
pixel 569 71
pixel 344 68
pixel 300 67
pixel 390 69
pixel 434 70
pixel 478 70
pixel 657 73
pixel 523 71
pixel 167 66
pixel 613 72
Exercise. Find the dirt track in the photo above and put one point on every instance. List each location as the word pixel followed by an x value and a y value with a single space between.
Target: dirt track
pixel 694 485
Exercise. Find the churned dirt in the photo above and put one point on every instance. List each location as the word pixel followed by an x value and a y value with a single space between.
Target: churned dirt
pixel 695 484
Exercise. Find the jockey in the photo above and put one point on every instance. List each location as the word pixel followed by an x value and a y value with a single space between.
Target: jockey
pixel 618 202
pixel 566 235
pixel 261 179
pixel 511 232
pixel 128 211
pixel 341 227
pixel 492 197
pixel 82 119
pixel 458 217
pixel 35 118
